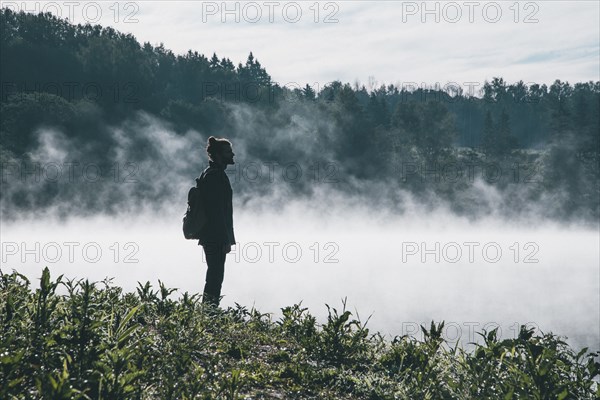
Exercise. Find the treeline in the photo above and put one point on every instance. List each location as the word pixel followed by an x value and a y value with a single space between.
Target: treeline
pixel 78 78
pixel 45 54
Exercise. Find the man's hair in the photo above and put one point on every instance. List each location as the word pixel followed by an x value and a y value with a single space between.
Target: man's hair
pixel 216 145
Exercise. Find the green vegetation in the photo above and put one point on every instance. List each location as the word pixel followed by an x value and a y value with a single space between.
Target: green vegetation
pixel 79 64
pixel 94 341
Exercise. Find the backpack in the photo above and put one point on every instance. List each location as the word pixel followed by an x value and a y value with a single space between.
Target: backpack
pixel 195 217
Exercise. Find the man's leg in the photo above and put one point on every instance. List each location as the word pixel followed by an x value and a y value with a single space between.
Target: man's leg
pixel 215 260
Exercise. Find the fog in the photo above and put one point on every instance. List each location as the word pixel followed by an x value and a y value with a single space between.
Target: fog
pixel 90 210
pixel 372 258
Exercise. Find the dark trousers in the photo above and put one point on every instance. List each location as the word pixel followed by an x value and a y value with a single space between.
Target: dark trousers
pixel 215 260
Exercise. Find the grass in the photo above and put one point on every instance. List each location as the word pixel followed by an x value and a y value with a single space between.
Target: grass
pixel 97 342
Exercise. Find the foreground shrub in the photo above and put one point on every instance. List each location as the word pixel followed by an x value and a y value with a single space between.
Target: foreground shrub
pixel 96 342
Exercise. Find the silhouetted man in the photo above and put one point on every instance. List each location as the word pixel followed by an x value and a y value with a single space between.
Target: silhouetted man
pixel 217 235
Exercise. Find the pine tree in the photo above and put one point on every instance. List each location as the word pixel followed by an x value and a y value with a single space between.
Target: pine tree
pixel 214 62
pixel 227 65
pixel 309 93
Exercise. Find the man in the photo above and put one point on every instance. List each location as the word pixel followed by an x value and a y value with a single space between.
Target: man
pixel 217 236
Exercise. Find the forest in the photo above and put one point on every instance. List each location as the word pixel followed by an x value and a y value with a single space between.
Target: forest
pixel 536 145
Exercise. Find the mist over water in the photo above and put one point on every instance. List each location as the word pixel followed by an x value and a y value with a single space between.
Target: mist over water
pixel 320 256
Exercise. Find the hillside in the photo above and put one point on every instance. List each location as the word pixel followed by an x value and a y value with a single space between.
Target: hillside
pixel 95 94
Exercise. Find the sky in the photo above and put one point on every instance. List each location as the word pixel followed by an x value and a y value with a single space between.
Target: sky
pixel 371 42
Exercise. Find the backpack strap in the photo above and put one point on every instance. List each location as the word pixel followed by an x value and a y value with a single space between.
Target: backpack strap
pixel 202 176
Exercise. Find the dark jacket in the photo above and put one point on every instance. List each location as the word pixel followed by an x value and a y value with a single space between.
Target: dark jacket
pixel 218 205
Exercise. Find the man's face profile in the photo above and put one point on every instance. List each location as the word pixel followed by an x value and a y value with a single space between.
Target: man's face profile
pixel 227 155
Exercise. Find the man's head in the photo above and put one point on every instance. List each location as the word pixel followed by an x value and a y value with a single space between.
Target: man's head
pixel 220 151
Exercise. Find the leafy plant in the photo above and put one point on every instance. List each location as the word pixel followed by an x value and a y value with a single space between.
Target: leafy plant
pixel 96 342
